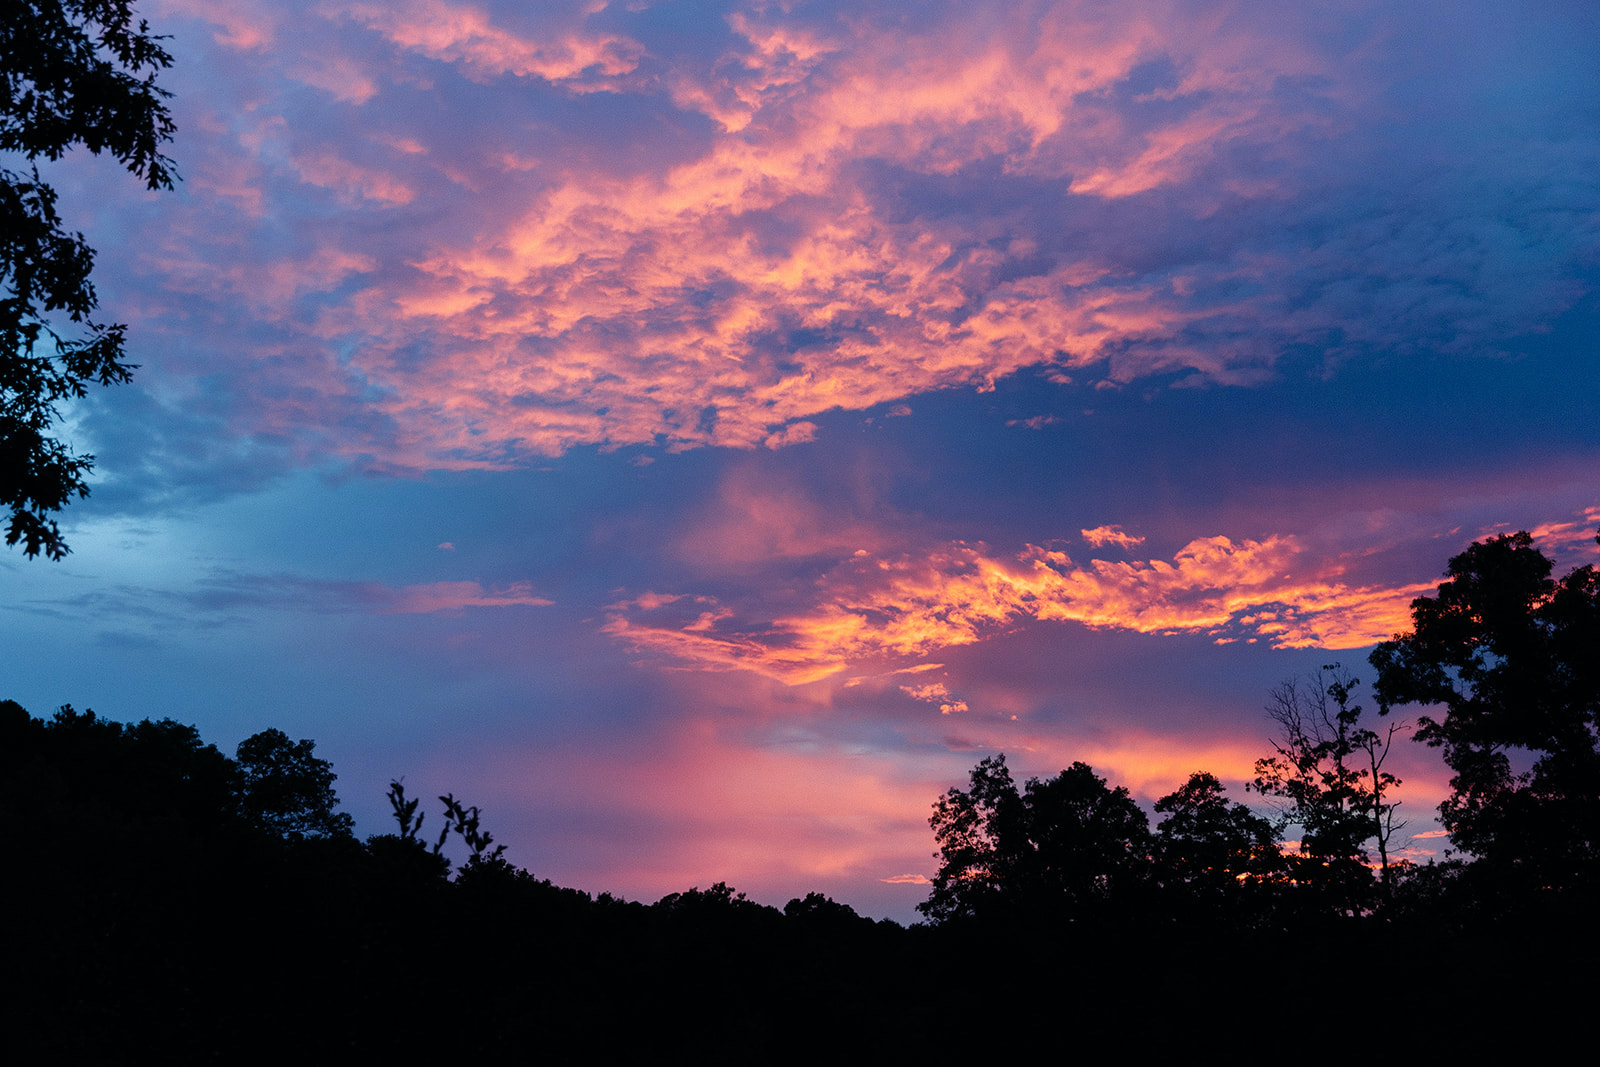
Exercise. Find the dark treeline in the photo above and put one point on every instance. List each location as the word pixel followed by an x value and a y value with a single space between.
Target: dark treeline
pixel 173 902
pixel 1503 665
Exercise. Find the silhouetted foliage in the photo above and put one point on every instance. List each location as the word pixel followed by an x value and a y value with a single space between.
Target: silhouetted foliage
pixel 1064 846
pixel 72 72
pixel 464 821
pixel 143 772
pixel 286 790
pixel 160 916
pixel 404 855
pixel 968 826
pixel 816 909
pixel 1215 851
pixel 1513 659
pixel 405 811
pixel 1330 769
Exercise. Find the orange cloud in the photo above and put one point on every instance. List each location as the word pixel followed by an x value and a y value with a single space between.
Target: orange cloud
pixel 1110 535
pixel 1150 765
pixel 871 606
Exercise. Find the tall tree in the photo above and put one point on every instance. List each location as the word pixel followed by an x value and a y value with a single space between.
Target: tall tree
pixel 1329 767
pixel 72 72
pixel 1512 657
pixel 969 826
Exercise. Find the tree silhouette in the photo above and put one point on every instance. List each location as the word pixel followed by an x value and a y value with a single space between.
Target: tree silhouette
pixel 72 72
pixel 1513 658
pixel 286 790
pixel 1210 847
pixel 968 825
pixel 1330 769
pixel 1063 846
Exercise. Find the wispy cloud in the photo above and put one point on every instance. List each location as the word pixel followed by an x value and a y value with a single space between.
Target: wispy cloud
pixel 226 591
pixel 230 592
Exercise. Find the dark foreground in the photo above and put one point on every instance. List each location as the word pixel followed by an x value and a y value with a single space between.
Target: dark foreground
pixel 161 911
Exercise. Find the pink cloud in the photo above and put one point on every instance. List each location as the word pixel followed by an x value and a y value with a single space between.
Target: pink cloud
pixel 937 694
pixel 344 77
pixel 466 34
pixel 793 434
pixel 755 520
pixel 566 308
pixel 241 25
pixel 553 287
pixel 450 597
pixel 351 181
pixel 1569 540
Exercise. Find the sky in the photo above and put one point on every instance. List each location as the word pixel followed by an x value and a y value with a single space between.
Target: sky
pixel 697 432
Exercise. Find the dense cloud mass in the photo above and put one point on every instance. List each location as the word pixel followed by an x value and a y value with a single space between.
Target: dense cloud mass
pixel 481 235
pixel 696 429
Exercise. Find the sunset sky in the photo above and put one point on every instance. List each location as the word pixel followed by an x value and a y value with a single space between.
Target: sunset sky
pixel 698 431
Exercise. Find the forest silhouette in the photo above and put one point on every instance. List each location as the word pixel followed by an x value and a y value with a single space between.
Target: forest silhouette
pixel 179 901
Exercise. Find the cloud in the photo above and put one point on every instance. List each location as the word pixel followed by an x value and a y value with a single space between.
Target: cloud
pixel 869 607
pixel 793 434
pixel 1110 535
pixel 565 226
pixel 229 591
pixel 453 597
pixel 937 694
pixel 1573 539
pixel 467 35
pixel 757 520
pixel 352 182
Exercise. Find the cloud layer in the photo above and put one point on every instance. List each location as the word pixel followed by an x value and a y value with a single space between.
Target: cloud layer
pixel 483 234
